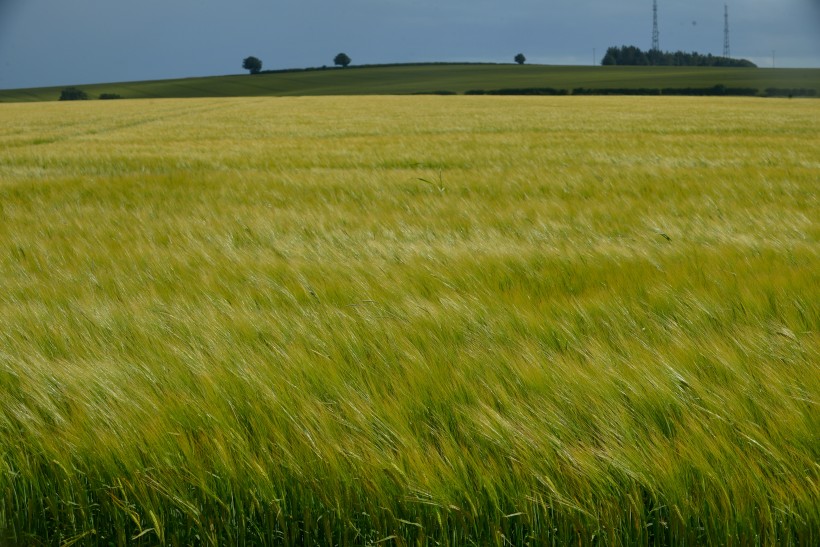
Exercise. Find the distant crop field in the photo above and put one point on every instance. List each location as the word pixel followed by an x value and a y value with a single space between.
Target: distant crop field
pixel 410 321
pixel 447 78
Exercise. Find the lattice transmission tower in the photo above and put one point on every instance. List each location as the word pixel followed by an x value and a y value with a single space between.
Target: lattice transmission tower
pixel 656 44
pixel 727 52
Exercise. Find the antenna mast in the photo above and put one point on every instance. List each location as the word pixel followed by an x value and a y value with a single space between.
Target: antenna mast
pixel 655 34
pixel 726 50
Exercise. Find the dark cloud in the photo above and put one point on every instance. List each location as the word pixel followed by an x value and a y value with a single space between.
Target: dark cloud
pixel 7 9
pixel 85 41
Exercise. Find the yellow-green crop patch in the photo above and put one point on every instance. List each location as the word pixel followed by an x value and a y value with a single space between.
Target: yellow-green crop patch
pixel 423 320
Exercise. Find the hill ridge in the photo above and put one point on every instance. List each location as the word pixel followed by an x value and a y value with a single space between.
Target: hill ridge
pixel 458 78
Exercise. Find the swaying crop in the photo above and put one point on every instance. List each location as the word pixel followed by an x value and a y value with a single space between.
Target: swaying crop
pixel 426 320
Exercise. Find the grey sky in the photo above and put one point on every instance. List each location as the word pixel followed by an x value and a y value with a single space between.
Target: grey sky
pixel 63 42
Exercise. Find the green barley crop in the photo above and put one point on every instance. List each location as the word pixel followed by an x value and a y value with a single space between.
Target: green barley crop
pixel 427 320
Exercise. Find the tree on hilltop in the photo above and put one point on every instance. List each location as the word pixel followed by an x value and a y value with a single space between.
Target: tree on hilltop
pixel 341 60
pixel 631 55
pixel 252 64
pixel 520 59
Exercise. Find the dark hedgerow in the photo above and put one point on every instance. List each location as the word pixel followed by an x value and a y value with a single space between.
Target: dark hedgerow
pixel 714 91
pixel 437 92
pixel 519 91
pixel 73 94
pixel 780 92
pixel 616 91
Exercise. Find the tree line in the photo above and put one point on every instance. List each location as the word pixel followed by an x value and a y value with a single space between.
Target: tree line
pixel 254 64
pixel 631 55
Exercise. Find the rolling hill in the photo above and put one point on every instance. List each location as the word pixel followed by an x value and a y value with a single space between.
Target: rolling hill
pixel 432 78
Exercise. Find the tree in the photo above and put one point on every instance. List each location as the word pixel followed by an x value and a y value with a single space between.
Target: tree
pixel 611 57
pixel 73 94
pixel 252 64
pixel 520 59
pixel 342 60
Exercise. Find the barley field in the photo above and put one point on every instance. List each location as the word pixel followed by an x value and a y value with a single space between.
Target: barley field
pixel 410 321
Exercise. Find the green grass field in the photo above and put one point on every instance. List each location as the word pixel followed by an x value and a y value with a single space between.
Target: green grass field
pixel 410 321
pixel 408 79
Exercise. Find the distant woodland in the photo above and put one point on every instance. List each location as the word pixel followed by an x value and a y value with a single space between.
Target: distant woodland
pixel 631 55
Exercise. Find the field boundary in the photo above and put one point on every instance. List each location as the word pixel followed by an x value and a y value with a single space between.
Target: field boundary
pixel 457 79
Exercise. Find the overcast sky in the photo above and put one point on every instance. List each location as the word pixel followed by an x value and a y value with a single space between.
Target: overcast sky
pixel 65 42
